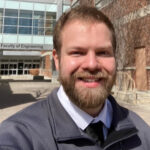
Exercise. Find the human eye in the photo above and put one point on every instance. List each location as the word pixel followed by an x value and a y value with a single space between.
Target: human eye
pixel 76 53
pixel 105 53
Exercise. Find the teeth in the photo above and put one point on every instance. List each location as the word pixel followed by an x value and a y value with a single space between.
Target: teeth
pixel 91 80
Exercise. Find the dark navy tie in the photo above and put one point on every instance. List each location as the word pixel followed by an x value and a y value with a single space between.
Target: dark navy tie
pixel 95 130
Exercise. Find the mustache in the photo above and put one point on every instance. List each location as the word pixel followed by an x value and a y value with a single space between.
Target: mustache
pixel 97 75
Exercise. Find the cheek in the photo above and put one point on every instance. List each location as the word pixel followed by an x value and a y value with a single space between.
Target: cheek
pixel 68 66
pixel 109 64
pixel 73 63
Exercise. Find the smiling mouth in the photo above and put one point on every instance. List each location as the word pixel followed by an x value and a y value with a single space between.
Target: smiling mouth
pixel 90 79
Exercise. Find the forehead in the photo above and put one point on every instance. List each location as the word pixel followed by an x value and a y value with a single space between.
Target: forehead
pixel 82 25
pixel 78 29
pixel 81 22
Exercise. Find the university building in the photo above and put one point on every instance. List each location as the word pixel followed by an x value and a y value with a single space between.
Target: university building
pixel 26 28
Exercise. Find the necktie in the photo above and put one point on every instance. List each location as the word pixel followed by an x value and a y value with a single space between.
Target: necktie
pixel 95 130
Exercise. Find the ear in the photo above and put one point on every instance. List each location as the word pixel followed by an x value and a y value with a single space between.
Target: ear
pixel 56 59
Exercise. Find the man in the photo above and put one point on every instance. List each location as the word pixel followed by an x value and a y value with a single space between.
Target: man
pixel 81 114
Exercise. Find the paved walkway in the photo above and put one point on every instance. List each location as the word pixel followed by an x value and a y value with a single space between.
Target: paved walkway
pixel 143 110
pixel 14 96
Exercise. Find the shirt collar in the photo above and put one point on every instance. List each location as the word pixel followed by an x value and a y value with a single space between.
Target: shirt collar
pixel 81 118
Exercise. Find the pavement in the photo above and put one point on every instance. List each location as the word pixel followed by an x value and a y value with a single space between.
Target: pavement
pixel 143 109
pixel 16 95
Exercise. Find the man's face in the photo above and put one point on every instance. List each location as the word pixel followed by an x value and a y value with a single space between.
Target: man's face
pixel 86 64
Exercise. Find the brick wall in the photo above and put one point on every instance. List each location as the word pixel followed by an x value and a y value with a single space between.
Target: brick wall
pixel 123 7
pixel 133 22
pixel 46 71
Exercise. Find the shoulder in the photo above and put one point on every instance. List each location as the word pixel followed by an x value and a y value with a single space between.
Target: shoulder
pixel 27 125
pixel 140 124
pixel 121 113
pixel 128 118
pixel 35 112
pixel 142 127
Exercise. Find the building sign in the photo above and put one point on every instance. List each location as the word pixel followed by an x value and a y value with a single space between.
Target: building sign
pixel 25 46
pixel 21 53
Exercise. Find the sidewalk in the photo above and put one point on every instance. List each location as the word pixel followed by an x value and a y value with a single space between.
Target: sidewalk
pixel 143 110
pixel 15 96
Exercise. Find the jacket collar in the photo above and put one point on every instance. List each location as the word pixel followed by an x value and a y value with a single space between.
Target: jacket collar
pixel 65 129
pixel 63 126
pixel 122 127
pixel 121 118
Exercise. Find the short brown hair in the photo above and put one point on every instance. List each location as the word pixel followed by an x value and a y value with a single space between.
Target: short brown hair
pixel 84 13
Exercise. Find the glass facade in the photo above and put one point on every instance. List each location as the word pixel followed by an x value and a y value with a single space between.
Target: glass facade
pixel 27 22
pixel 1 20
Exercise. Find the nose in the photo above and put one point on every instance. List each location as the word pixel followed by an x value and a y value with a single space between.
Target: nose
pixel 91 62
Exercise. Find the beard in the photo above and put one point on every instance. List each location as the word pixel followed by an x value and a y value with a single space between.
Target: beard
pixel 85 97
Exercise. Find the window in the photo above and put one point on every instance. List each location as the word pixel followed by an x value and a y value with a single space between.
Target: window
pixel 25 14
pixel 50 23
pixel 48 31
pixel 10 21
pixel 50 15
pixel 2 66
pixel 38 31
pixel 10 72
pixel 11 13
pixel 1 72
pixel 6 66
pixel 38 15
pixel 27 22
pixel 12 66
pixel 26 72
pixel 10 29
pixel 38 23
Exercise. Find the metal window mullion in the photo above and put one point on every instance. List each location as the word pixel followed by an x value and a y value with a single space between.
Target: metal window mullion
pixel 32 23
pixel 3 20
pixel 45 25
pixel 18 23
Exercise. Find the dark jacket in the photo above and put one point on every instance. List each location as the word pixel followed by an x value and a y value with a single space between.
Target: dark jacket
pixel 45 125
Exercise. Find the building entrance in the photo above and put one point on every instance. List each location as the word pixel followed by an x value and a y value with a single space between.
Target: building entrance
pixel 18 66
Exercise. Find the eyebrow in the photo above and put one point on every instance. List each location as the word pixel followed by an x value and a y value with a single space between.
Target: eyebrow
pixel 104 48
pixel 80 48
pixel 77 48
